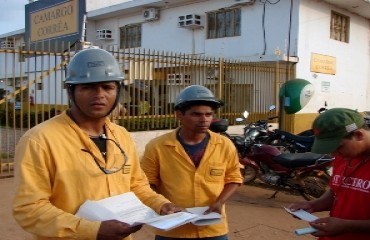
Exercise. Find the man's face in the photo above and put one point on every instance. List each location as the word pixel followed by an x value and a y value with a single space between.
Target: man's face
pixel 197 119
pixel 95 100
pixel 350 147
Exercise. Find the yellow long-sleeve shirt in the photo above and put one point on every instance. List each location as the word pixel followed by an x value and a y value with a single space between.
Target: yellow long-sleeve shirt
pixel 170 169
pixel 54 177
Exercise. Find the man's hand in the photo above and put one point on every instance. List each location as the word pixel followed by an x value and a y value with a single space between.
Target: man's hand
pixel 215 207
pixel 329 226
pixel 115 230
pixel 307 206
pixel 169 208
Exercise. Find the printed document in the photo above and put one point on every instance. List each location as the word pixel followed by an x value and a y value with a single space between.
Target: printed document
pixel 129 209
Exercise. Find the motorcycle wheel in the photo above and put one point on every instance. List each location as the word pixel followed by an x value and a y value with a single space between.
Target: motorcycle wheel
pixel 314 186
pixel 249 174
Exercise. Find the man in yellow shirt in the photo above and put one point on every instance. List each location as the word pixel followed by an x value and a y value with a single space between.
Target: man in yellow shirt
pixel 80 155
pixel 192 166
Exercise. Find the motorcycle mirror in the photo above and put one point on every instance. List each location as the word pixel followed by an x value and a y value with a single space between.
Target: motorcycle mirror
pixel 322 110
pixel 272 107
pixel 246 114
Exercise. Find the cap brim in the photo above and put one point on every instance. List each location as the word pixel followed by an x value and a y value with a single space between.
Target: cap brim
pixel 325 145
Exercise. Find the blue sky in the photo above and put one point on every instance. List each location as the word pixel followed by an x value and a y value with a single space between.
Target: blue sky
pixel 12 15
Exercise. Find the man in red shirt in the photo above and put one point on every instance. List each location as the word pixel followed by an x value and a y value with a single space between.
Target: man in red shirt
pixel 343 133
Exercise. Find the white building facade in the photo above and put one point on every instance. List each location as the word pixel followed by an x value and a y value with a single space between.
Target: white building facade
pixel 333 35
pixel 299 31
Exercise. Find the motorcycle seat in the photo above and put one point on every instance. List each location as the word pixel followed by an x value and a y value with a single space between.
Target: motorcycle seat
pixel 296 138
pixel 219 125
pixel 294 160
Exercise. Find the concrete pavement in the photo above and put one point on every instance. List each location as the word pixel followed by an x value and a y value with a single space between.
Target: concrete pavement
pixel 252 216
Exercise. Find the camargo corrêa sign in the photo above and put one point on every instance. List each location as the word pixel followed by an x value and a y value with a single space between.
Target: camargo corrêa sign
pixel 51 21
pixel 323 64
pixel 55 21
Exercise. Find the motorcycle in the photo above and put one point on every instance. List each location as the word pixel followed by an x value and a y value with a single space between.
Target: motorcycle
pixel 301 142
pixel 294 143
pixel 258 131
pixel 304 173
pixel 289 142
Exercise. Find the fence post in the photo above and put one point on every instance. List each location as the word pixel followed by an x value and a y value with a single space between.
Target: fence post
pixel 221 76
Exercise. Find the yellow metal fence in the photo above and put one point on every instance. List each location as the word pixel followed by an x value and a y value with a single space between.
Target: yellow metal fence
pixel 32 89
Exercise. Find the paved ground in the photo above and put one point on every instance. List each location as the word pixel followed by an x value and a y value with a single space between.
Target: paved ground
pixel 252 216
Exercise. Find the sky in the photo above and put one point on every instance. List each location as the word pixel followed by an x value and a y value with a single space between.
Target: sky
pixel 12 15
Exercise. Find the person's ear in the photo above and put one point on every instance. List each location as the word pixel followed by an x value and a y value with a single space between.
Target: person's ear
pixel 178 114
pixel 359 135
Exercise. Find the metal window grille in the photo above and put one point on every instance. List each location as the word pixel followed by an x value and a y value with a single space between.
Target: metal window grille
pixel 339 27
pixel 224 23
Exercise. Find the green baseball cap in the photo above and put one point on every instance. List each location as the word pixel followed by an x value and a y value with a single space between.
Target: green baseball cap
pixel 332 126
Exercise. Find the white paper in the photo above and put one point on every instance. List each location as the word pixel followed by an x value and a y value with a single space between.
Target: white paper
pixel 306 216
pixel 129 209
pixel 204 219
pixel 172 221
pixel 302 214
pixel 307 230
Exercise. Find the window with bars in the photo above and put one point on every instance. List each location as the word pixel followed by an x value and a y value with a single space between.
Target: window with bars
pixel 130 36
pixel 339 27
pixel 225 23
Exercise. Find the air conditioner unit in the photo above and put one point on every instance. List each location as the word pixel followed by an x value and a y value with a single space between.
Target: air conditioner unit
pixel 104 34
pixel 178 79
pixel 190 21
pixel 151 14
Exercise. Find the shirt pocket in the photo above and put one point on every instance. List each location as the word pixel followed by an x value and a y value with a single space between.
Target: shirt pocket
pixel 214 172
pixel 124 174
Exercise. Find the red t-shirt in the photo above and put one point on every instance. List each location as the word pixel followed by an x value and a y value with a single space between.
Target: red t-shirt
pixel 351 185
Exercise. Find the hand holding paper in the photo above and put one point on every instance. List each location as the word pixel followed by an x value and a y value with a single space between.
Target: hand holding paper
pixel 129 209
pixel 306 216
pixel 202 220
pixel 302 214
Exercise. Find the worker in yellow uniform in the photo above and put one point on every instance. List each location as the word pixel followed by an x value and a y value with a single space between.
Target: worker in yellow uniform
pixel 80 155
pixel 192 166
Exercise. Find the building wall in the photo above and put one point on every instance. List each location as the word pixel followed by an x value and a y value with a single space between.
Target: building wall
pixel 310 33
pixel 93 4
pixel 164 34
pixel 349 87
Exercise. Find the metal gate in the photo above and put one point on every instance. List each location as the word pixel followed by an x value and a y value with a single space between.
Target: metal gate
pixel 32 88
